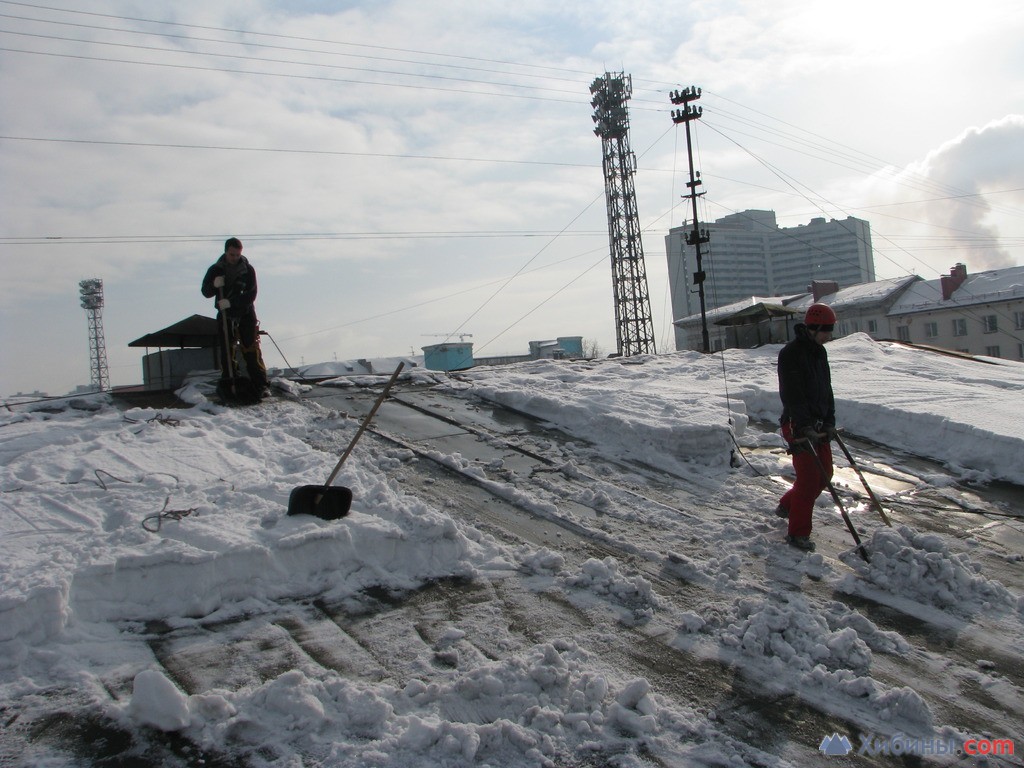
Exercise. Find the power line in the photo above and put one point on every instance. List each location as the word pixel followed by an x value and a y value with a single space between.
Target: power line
pixel 285 237
pixel 294 49
pixel 503 280
pixel 319 78
pixel 293 37
pixel 263 60
pixel 292 150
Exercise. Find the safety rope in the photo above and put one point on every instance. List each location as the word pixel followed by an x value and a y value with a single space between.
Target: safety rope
pixel 165 514
pixel 167 421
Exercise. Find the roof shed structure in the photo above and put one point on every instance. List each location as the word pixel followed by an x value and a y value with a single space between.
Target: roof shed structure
pixel 185 346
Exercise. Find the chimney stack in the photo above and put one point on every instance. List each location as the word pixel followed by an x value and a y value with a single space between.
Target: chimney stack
pixel 819 288
pixel 952 281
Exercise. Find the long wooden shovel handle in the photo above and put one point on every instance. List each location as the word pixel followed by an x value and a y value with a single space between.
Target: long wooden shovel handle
pixel 871 494
pixel 839 502
pixel 363 426
pixel 228 355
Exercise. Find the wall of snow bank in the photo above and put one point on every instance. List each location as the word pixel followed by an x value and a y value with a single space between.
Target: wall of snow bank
pixel 658 410
pixel 962 412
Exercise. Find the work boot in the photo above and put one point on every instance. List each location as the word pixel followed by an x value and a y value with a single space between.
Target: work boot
pixel 801 542
pixel 781 511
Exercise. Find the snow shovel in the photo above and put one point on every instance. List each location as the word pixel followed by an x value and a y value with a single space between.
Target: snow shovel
pixel 326 502
pixel 871 494
pixel 838 501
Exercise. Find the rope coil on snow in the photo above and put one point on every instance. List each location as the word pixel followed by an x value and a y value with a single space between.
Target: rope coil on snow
pixel 165 514
pixel 159 418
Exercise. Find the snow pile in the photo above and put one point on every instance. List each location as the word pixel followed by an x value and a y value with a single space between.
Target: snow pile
pixel 530 708
pixel 792 635
pixel 158 703
pixel 827 654
pixel 602 577
pixel 137 516
pixel 921 567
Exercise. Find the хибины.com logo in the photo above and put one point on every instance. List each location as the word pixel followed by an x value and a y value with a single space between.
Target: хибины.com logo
pixel 835 745
pixel 900 744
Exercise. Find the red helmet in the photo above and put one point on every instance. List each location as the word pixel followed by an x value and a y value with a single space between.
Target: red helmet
pixel 819 314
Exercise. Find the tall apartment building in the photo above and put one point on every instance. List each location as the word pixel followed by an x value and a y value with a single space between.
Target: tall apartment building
pixel 749 254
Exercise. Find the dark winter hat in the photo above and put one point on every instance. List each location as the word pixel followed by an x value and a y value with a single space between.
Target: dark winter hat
pixel 232 242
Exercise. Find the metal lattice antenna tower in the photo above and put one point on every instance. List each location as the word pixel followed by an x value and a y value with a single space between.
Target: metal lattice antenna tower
pixel 91 292
pixel 634 326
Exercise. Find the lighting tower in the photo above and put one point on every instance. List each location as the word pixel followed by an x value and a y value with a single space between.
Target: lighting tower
pixel 91 292
pixel 634 326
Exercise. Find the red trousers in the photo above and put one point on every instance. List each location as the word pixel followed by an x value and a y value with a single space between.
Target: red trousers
pixel 799 500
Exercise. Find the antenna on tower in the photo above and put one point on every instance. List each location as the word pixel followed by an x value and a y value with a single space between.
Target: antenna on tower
pixel 91 292
pixel 634 326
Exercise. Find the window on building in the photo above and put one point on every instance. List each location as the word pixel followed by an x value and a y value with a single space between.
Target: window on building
pixel 931 330
pixel 855 326
pixel 960 327
pixel 872 326
pixel 1018 321
pixel 992 351
pixel 903 333
pixel 1020 351
pixel 990 323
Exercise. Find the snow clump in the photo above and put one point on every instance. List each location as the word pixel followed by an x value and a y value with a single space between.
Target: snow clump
pixel 920 566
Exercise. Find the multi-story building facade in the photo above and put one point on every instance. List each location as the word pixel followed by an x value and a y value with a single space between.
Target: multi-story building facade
pixel 838 250
pixel 750 255
pixel 981 314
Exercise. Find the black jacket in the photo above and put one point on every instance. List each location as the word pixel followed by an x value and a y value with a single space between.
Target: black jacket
pixel 241 291
pixel 805 383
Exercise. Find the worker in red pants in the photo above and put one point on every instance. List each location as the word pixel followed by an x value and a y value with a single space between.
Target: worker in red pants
pixel 808 419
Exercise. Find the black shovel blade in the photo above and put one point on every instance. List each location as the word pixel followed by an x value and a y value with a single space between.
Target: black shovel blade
pixel 330 503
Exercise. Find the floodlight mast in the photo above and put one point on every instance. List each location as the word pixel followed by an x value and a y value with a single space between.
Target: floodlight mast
pixel 91 292
pixel 634 326
pixel 698 236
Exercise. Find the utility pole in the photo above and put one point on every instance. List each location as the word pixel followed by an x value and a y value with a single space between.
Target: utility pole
pixel 634 325
pixel 91 292
pixel 698 236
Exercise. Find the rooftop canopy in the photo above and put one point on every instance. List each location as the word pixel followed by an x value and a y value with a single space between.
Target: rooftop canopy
pixel 756 313
pixel 195 331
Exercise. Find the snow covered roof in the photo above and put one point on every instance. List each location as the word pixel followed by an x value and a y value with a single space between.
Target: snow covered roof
pixel 981 288
pixel 187 613
pixel 361 367
pixel 861 295
pixel 728 310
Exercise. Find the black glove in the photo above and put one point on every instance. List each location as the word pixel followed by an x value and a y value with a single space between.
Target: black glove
pixel 811 435
pixel 832 433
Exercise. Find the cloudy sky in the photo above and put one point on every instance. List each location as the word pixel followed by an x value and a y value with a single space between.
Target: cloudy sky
pixel 399 169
